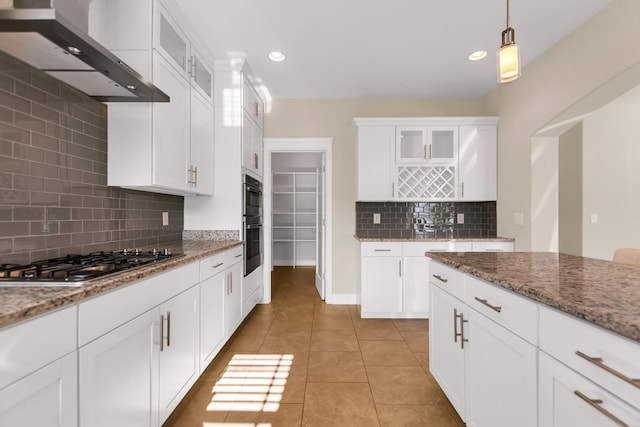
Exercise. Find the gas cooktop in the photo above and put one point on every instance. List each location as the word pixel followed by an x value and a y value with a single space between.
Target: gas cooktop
pixel 76 270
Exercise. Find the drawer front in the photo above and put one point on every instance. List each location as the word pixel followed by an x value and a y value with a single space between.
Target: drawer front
pixel 563 336
pixel 492 246
pixel 447 278
pixel 233 255
pixel 381 249
pixel 509 310
pixel 105 312
pixel 30 345
pixel 212 265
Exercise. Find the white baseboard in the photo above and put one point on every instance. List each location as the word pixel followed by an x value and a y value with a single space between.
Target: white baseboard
pixel 343 299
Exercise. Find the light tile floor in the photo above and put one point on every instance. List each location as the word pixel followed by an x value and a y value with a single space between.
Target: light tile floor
pixel 301 362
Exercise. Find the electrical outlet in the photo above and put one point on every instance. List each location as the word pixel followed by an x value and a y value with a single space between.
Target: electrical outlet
pixel 376 218
pixel 460 219
pixel 165 219
pixel 594 218
pixel 518 218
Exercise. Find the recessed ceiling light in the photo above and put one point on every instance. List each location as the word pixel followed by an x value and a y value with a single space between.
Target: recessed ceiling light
pixel 276 56
pixel 477 55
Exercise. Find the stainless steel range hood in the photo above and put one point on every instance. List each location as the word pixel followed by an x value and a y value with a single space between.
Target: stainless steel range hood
pixel 34 32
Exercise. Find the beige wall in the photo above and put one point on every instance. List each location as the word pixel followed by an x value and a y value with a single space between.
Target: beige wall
pixel 611 146
pixel 334 118
pixel 570 215
pixel 581 63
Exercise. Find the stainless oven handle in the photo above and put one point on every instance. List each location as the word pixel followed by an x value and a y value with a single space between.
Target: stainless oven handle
pixel 250 226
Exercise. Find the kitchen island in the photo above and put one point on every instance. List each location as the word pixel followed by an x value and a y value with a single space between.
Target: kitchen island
pixel 536 339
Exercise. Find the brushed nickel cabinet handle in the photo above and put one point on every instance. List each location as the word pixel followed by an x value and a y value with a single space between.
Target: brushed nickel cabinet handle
pixel 430 152
pixel 439 277
pixel 462 338
pixel 425 151
pixel 462 190
pixel 218 265
pixel 238 256
pixel 168 329
pixel 599 363
pixel 597 404
pixel 195 176
pixel 400 268
pixel 161 332
pixel 492 307
pixel 382 250
pixel 455 325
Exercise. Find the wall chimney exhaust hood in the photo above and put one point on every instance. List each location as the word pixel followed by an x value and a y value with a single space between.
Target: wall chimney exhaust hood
pixel 34 32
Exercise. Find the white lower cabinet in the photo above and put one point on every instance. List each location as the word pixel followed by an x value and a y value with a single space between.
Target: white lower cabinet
pixel 446 346
pixel 119 375
pixel 178 357
pixel 212 292
pixel 39 371
pixel 488 371
pixel 394 275
pixel 233 299
pixel 567 399
pixel 45 398
pixel 502 374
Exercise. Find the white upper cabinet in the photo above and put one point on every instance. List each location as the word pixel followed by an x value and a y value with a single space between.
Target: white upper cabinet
pixel 426 159
pixel 252 117
pixel 160 147
pixel 375 147
pixel 477 160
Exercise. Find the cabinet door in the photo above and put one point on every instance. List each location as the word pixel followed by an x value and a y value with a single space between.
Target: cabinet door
pixel 442 144
pixel 233 299
pixel 178 360
pixel 477 163
pixel 375 160
pixel 47 397
pixel 411 144
pixel 562 406
pixel 170 127
pixel 415 282
pixel 171 42
pixel 248 159
pixel 381 285
pixel 211 317
pixel 118 376
pixel 501 376
pixel 201 152
pixel 201 75
pixel 446 355
pixel 258 148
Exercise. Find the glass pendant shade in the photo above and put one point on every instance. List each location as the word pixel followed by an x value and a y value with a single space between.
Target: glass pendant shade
pixel 508 63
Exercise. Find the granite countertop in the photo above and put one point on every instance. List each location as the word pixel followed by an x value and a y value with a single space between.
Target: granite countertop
pixel 18 303
pixel 434 239
pixel 604 293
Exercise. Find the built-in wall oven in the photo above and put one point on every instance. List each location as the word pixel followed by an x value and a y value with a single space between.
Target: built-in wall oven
pixel 252 221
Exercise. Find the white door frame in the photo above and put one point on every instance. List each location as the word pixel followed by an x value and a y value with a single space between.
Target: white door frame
pixel 297 145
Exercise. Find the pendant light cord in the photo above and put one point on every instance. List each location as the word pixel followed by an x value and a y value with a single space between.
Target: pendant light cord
pixel 507 13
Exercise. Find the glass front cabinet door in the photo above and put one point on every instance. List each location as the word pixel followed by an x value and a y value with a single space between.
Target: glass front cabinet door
pixel 426 144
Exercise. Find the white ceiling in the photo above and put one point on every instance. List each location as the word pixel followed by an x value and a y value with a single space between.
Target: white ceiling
pixel 380 48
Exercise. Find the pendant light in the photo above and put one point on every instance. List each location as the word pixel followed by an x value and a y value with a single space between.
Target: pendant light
pixel 508 55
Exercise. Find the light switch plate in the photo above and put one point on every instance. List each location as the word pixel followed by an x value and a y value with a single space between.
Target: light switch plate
pixel 376 218
pixel 594 218
pixel 165 219
pixel 460 219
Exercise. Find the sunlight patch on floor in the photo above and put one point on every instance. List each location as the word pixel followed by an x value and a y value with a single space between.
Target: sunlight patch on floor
pixel 251 383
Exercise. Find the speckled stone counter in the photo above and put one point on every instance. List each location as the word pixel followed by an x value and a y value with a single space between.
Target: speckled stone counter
pixel 22 302
pixel 601 292
pixel 433 239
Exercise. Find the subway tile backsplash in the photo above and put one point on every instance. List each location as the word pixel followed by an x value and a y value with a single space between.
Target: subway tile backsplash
pixel 428 219
pixel 54 197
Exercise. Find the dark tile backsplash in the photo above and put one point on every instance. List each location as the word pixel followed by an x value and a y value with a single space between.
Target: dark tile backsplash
pixel 54 197
pixel 429 219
